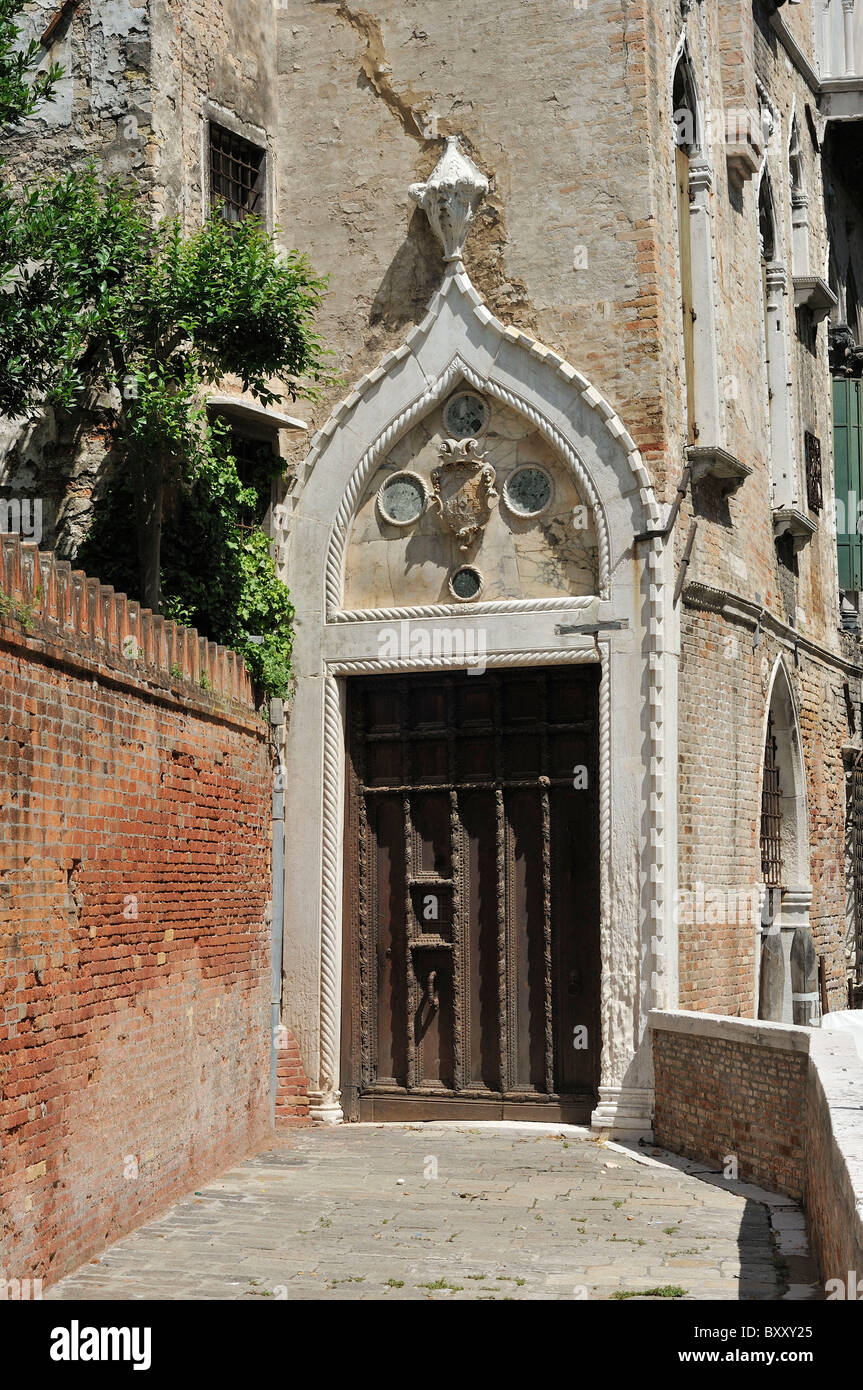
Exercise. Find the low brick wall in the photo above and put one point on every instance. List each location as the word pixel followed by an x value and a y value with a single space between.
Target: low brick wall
pixel 717 1094
pixel 785 1102
pixel 135 800
pixel 833 1195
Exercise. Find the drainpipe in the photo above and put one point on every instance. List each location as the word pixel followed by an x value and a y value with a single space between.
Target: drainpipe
pixel 277 927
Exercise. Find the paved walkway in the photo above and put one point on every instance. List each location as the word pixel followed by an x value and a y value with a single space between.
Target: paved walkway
pixel 458 1212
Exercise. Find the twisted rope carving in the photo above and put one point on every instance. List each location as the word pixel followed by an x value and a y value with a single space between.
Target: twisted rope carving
pixel 460 610
pixel 656 609
pixel 329 887
pixel 555 657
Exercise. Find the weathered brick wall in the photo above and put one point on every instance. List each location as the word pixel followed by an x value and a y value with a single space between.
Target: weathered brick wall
pixel 783 1101
pixel 134 933
pixel 726 684
pixel 292 1086
pixel 716 1098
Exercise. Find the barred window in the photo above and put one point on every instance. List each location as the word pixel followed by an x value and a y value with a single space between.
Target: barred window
pixel 771 814
pixel 237 175
pixel 814 493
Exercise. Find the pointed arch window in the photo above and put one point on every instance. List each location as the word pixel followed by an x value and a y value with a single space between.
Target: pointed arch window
pixel 790 523
pixel 799 206
pixel 685 146
pixel 785 863
pixel 693 189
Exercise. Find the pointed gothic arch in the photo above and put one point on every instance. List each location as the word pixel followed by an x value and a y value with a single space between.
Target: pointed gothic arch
pixel 620 629
pixel 686 107
pixel 784 842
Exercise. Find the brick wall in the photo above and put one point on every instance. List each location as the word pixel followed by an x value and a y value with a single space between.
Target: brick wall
pixel 785 1102
pixel 833 1194
pixel 292 1099
pixel 134 933
pixel 726 683
pixel 716 1097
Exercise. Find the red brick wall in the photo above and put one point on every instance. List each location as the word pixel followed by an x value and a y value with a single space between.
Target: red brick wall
pixel 134 935
pixel 725 688
pixel 716 1098
pixel 292 1099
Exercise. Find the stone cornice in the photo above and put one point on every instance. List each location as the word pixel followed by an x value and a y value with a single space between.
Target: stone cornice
pixel 751 614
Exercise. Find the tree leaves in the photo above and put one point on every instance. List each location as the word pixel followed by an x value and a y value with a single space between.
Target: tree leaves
pixel 96 305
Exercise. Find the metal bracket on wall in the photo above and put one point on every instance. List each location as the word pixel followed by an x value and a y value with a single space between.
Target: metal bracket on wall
pixel 590 629
pixel 682 489
pixel 684 562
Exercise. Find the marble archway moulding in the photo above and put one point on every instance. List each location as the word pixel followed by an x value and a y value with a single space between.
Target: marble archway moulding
pixel 460 370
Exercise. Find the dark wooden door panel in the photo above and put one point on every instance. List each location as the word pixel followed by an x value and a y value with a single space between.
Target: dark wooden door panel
pixel 388 907
pixel 477 814
pixel 472 895
pixel 526 986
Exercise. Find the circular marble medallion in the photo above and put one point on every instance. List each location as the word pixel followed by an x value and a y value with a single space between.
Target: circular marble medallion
pixel 402 499
pixel 465 415
pixel 528 492
pixel 466 583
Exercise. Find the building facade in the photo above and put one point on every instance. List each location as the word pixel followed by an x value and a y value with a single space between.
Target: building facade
pixel 574 548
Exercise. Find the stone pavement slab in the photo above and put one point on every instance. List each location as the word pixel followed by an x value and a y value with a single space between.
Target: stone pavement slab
pixel 448 1212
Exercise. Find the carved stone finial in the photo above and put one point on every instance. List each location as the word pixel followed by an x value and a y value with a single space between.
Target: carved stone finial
pixel 450 197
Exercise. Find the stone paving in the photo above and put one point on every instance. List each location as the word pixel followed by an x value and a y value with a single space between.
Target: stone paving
pixel 459 1212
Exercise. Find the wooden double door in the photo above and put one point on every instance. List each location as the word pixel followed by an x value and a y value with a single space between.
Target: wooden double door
pixel 471 963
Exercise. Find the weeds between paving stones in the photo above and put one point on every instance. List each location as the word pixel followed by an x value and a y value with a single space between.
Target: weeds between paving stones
pixel 664 1291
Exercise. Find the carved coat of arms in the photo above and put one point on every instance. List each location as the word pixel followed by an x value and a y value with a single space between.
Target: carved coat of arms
pixel 464 490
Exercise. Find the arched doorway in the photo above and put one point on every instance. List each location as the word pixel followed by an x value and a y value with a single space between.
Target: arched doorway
pixel 784 842
pixel 462 553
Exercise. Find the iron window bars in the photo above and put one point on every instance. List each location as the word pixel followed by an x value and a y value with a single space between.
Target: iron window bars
pixel 237 175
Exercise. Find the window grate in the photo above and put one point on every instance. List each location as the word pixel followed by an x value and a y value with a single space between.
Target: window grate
pixel 237 169
pixel 771 815
pixel 813 472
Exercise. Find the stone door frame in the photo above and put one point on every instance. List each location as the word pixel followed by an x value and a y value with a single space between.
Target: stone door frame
pixel 629 626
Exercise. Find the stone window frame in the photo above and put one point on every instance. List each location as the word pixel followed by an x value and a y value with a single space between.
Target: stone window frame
pixel 213 112
pixel 799 198
pixel 782 453
pixel 705 349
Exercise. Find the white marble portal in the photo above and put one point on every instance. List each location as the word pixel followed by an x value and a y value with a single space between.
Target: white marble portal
pixel 551 597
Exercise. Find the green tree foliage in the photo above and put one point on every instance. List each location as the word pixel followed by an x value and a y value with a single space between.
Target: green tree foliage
pixel 98 305
pixel 22 86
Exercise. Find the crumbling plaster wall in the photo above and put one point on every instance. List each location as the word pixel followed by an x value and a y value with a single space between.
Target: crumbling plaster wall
pixel 139 81
pixel 554 103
